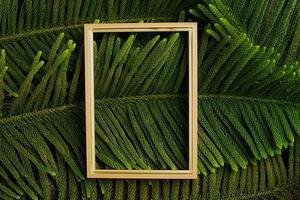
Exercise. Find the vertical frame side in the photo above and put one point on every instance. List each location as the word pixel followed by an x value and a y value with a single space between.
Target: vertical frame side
pixel 190 99
pixel 89 100
pixel 195 97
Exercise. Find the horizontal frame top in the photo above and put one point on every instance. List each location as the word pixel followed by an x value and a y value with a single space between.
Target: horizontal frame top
pixel 141 27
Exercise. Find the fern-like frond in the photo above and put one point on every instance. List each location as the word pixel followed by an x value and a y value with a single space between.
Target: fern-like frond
pixel 68 142
pixel 239 130
pixel 272 178
pixel 30 26
pixel 125 68
pixel 236 66
pixel 19 16
pixel 268 23
pixel 248 103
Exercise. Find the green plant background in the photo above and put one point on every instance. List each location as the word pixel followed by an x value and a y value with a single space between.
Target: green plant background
pixel 248 99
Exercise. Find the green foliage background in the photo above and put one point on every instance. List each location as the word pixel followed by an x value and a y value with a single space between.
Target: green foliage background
pixel 248 99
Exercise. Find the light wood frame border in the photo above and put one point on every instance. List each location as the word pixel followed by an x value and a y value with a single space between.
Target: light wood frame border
pixel 92 172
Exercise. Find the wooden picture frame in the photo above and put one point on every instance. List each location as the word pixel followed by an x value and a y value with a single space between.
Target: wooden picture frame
pixel 92 172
